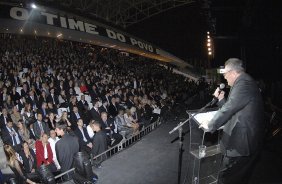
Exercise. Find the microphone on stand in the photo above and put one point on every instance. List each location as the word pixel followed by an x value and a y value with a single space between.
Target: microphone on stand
pixel 215 99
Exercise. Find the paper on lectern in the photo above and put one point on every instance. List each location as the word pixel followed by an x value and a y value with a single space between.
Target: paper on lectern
pixel 204 118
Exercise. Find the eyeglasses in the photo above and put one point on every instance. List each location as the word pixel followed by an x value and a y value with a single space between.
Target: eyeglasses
pixel 226 73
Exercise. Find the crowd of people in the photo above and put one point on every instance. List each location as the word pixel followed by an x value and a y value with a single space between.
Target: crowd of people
pixel 60 97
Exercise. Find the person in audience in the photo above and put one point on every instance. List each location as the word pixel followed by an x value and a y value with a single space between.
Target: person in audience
pixel 28 158
pixel 17 167
pixel 65 148
pixel 53 98
pixel 51 121
pixel 10 136
pixel 53 139
pixel 16 115
pixel 28 114
pixel 130 122
pixel 109 126
pixel 64 119
pixel 104 107
pixel 122 125
pixel 99 143
pixel 25 134
pixel 95 113
pixel 113 108
pixel 82 104
pixel 40 127
pixel 74 117
pixel 43 110
pixel 90 129
pixel 44 154
pixel 4 118
pixel 83 137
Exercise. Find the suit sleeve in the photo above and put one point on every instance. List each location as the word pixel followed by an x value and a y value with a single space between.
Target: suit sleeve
pixel 238 99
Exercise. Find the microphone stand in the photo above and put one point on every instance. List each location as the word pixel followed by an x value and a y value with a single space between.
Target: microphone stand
pixel 179 128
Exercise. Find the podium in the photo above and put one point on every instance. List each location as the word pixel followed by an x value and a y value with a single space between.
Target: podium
pixel 204 151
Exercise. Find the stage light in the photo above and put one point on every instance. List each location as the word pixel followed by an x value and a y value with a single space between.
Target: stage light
pixel 210 53
pixel 209 44
pixel 208 36
pixel 209 49
pixel 208 32
pixel 7 29
pixel 21 30
pixel 33 6
pixel 209 40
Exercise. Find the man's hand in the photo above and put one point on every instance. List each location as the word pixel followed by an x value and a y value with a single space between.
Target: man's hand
pixel 219 94
pixel 204 125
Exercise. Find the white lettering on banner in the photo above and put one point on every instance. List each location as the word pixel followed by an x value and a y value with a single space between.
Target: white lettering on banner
pixel 70 23
pixel 90 28
pixel 77 25
pixel 19 13
pixel 63 22
pixel 50 17
pixel 113 35
pixel 142 45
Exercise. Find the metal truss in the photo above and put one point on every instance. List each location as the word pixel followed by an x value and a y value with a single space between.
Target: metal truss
pixel 122 13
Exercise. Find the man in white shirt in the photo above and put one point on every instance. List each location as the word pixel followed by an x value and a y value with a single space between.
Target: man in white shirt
pixel 53 140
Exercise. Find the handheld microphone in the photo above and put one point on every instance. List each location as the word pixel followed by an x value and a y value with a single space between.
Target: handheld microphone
pixel 215 99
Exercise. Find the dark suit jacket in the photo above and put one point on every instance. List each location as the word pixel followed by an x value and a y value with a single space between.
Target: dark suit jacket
pixel 95 115
pixel 73 119
pixel 50 99
pixel 99 143
pixel 2 121
pixel 80 137
pixel 6 137
pixel 103 109
pixel 37 130
pixel 66 148
pixel 26 161
pixel 113 110
pixel 81 105
pixel 242 117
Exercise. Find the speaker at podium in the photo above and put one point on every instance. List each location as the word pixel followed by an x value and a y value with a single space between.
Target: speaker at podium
pixel 204 151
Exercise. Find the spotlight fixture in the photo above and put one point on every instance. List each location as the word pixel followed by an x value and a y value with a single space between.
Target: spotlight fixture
pixel 33 6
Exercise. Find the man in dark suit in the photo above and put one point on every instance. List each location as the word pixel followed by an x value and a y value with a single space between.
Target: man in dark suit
pixel 65 148
pixel 99 141
pixel 74 117
pixel 113 108
pixel 11 136
pixel 242 117
pixel 83 137
pixel 4 118
pixel 82 104
pixel 104 107
pixel 32 99
pixel 109 126
pixel 40 127
pixel 53 98
pixel 43 110
pixel 95 113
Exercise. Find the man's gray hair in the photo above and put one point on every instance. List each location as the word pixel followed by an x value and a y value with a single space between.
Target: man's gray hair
pixel 235 64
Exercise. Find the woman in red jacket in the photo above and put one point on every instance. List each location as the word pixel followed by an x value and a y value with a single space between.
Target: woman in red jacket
pixel 44 153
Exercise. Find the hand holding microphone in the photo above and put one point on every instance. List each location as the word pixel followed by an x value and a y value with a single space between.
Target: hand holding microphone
pixel 218 94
